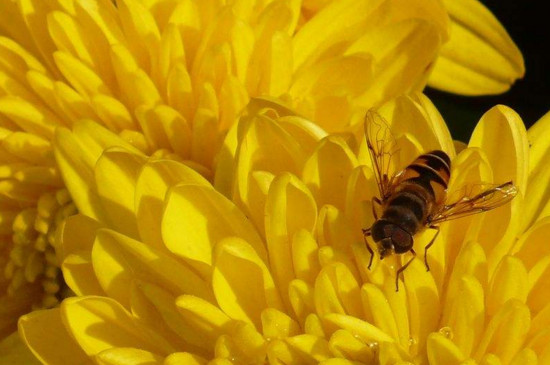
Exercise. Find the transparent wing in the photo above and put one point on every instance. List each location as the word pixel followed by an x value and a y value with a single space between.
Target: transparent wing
pixel 475 199
pixel 382 146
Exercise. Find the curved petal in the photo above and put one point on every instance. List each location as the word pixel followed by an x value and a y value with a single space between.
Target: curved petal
pixel 480 58
pixel 240 273
pixel 110 323
pixel 14 351
pixel 118 260
pixel 196 218
pixel 327 171
pixel 153 182
pixel 501 134
pixel 118 198
pixel 441 350
pixel 538 190
pixel 43 331
pixel 127 356
pixel 289 208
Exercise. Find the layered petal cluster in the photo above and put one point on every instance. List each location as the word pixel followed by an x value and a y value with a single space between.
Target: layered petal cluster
pixel 170 77
pixel 269 264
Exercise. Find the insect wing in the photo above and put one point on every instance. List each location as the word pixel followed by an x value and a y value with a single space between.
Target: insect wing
pixel 381 145
pixel 476 199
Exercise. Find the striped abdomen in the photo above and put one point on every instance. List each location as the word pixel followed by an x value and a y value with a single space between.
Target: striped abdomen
pixel 419 190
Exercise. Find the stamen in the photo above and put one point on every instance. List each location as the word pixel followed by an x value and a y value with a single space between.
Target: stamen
pixel 32 260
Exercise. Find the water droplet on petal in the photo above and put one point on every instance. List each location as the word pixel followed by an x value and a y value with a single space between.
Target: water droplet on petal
pixel 447 332
pixel 373 346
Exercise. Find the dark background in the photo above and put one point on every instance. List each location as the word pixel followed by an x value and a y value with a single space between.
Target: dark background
pixel 530 97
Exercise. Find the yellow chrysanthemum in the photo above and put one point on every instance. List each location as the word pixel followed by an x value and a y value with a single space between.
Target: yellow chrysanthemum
pixel 170 77
pixel 168 270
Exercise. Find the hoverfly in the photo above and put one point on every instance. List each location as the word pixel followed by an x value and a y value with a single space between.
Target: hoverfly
pixel 416 197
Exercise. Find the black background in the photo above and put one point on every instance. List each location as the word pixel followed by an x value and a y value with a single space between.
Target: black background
pixel 530 97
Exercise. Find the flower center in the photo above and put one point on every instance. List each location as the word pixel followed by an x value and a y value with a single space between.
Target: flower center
pixel 32 262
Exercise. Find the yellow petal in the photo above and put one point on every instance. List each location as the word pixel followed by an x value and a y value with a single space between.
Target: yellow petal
pixel 140 29
pixel 508 159
pixel 304 256
pixel 274 72
pixel 359 194
pixel 383 316
pixel 480 57
pixel 490 359
pixel 112 324
pixel 14 351
pixel 314 326
pixel 189 213
pixel 289 208
pixel 505 333
pixel 35 16
pixel 337 291
pixel 343 344
pixel 278 325
pixel 206 319
pixel 538 277
pixel 466 316
pixel 15 28
pixel 180 91
pixel 336 22
pixel 244 343
pixel 327 171
pixel 155 178
pixel 184 358
pixel 402 53
pixel 423 300
pixel 363 330
pixel 84 80
pixel 301 299
pixel 510 281
pixel 441 350
pixel 240 273
pixel 164 127
pixel 112 113
pixel 336 361
pixel 127 356
pixel 164 304
pixel 29 117
pixel 312 348
pixel 341 80
pixel 416 115
pixel 391 353
pixel 530 246
pixel 76 237
pixel 526 357
pixel 537 205
pixel 118 260
pixel 118 199
pixel 43 331
pixel 509 156
pixel 77 173
pixel 136 86
pixel 261 134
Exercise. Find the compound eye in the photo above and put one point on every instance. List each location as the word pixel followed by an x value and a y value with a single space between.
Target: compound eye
pixel 402 240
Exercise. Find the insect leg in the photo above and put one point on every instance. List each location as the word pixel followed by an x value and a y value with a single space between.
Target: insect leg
pixel 366 233
pixel 377 201
pixel 430 245
pixel 403 269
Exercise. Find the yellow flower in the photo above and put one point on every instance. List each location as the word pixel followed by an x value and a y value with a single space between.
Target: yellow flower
pixel 169 270
pixel 171 77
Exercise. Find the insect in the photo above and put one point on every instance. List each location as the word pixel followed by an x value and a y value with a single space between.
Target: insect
pixel 416 197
